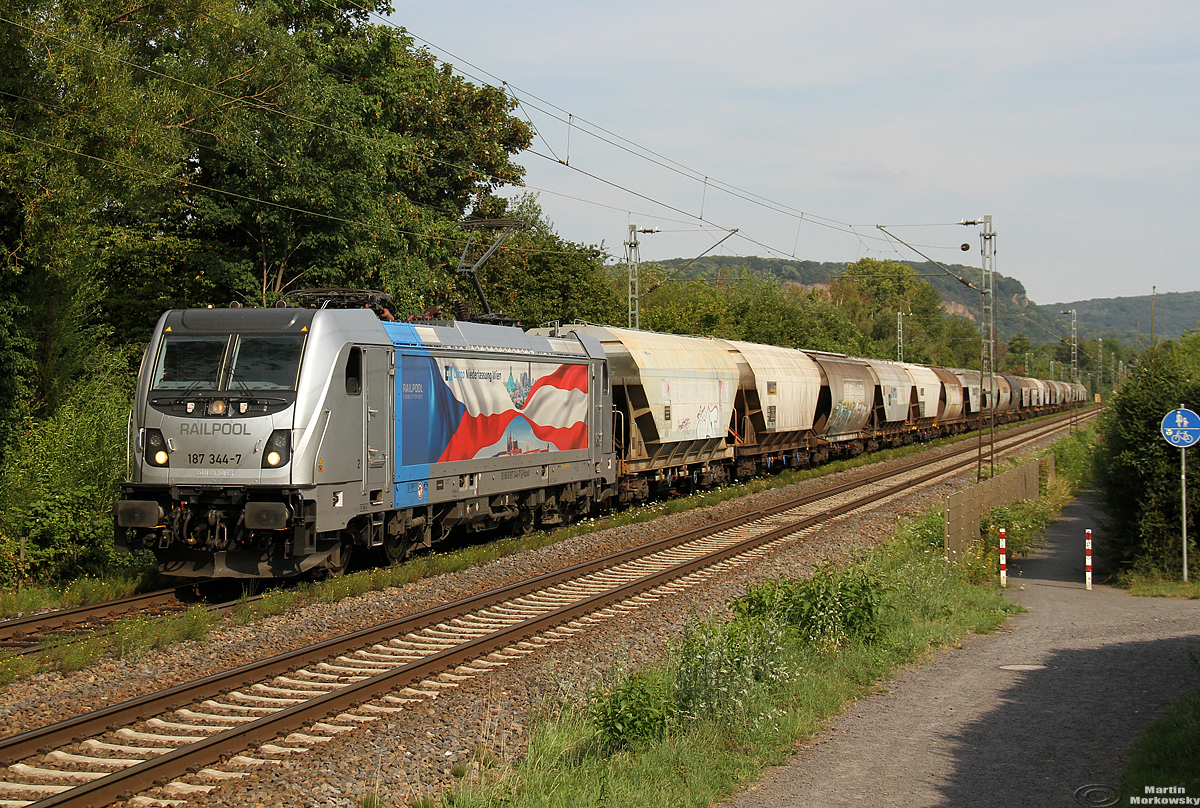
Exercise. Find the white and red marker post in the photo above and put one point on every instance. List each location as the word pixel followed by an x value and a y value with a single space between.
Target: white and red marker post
pixel 1088 544
pixel 1003 559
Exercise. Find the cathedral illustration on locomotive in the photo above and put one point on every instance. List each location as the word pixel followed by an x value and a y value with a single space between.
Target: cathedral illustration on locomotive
pixel 279 442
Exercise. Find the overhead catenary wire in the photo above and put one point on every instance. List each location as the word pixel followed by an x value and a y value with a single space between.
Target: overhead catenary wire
pixel 575 122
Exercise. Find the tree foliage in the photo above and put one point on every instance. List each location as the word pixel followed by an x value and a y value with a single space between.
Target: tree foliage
pixel 1138 471
pixel 744 307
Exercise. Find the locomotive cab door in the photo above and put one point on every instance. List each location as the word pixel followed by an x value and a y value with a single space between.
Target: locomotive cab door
pixel 377 432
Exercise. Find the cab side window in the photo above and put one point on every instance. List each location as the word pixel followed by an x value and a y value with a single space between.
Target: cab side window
pixel 354 372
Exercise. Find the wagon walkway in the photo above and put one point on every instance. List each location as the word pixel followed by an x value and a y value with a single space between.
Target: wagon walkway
pixel 967 730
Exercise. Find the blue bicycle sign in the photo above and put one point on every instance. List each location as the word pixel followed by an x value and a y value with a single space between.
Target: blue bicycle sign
pixel 1181 428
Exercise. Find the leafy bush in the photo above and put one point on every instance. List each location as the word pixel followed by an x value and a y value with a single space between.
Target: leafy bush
pixel 829 609
pixel 1075 457
pixel 637 709
pixel 1137 471
pixel 60 478
pixel 1024 523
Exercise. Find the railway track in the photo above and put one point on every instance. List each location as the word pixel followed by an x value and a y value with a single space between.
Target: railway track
pixel 284 705
pixel 27 635
pixel 30 636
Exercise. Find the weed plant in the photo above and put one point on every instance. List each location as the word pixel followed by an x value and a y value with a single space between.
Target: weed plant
pixel 13 667
pixel 737 694
pixel 829 609
pixel 72 653
pixel 135 636
pixel 129 637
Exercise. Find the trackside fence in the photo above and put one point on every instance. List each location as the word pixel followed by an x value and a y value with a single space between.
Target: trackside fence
pixel 965 510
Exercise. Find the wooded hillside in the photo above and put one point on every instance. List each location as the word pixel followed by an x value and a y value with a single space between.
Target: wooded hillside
pixel 1126 319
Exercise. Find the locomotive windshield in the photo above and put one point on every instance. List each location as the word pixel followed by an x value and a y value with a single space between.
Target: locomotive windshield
pixel 228 362
pixel 265 363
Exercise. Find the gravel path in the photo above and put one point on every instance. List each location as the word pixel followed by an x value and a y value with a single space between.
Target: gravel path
pixel 965 730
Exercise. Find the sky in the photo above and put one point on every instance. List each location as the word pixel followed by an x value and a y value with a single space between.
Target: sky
pixel 804 126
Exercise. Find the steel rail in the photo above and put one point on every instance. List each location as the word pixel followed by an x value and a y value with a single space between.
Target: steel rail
pixel 16 747
pixel 206 751
pixel 9 629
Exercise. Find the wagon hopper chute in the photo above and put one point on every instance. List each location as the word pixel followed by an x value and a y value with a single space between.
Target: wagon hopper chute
pixel 775 407
pixel 672 407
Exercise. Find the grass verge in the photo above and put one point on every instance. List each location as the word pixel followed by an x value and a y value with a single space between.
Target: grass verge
pixel 1168 755
pixel 735 695
pixel 1157 585
pixel 127 638
pixel 80 592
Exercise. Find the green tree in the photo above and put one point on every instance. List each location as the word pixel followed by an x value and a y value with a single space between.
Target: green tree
pixel 873 293
pixel 1018 347
pixel 341 157
pixel 80 150
pixel 1138 471
pixel 746 306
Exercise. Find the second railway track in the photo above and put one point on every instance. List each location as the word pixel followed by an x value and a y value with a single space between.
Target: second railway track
pixel 284 705
pixel 29 633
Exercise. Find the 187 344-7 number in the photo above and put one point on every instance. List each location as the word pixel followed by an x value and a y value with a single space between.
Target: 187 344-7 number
pixel 200 458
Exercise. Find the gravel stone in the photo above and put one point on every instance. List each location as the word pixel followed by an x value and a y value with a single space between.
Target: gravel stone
pixel 420 750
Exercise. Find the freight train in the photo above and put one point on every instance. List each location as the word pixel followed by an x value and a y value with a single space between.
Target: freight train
pixel 279 442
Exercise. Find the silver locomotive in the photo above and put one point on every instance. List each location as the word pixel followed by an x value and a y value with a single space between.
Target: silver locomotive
pixel 276 442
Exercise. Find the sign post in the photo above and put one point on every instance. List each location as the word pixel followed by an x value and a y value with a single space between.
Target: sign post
pixel 1181 428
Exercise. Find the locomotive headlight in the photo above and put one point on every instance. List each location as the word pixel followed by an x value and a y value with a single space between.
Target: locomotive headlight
pixel 156 449
pixel 216 407
pixel 278 449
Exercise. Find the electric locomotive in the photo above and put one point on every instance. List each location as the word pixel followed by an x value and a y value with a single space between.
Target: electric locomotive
pixel 269 443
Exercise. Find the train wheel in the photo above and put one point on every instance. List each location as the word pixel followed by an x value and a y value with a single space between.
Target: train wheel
pixel 339 559
pixel 395 548
pixel 526 522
